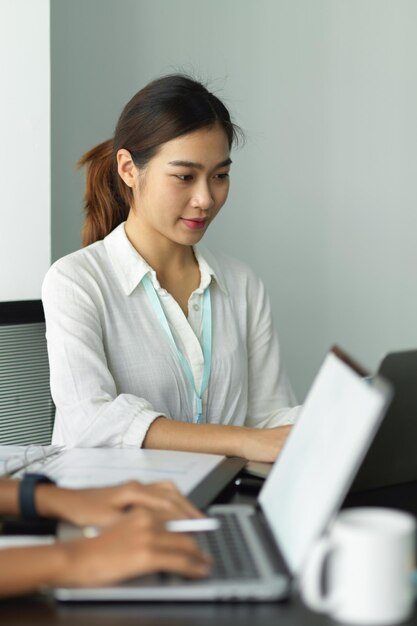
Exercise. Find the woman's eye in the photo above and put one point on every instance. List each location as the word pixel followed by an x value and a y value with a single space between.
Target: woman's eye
pixel 222 176
pixel 184 177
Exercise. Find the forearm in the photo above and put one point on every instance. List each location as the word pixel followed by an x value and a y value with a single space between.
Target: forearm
pixel 23 570
pixel 165 434
pixel 9 496
pixel 254 444
pixel 50 501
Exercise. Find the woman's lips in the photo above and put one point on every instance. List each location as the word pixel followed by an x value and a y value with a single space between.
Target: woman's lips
pixel 194 224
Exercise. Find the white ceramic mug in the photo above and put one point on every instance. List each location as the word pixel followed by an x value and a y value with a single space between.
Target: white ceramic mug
pixel 370 553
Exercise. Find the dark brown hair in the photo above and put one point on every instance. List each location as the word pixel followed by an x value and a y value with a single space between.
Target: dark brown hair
pixel 163 110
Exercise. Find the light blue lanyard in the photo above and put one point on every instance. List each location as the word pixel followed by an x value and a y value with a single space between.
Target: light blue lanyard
pixel 156 304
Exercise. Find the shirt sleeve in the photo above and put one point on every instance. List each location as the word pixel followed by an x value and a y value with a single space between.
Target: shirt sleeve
pixel 89 410
pixel 271 398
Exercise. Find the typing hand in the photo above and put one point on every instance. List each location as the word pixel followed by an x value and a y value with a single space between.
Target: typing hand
pixel 104 506
pixel 137 544
pixel 264 444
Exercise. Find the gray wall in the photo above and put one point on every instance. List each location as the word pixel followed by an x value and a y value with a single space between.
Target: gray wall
pixel 323 200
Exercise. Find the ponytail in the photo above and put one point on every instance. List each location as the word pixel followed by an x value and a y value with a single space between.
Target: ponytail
pixel 107 199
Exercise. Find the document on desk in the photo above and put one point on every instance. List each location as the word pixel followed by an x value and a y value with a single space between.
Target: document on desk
pixel 25 541
pixel 98 467
pixel 15 458
pixel 258 469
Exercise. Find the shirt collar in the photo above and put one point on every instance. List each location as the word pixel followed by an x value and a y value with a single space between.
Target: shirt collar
pixel 131 267
pixel 207 272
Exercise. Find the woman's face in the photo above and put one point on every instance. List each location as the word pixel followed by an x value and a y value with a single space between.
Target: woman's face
pixel 183 186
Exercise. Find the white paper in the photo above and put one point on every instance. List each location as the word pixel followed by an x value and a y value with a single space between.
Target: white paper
pixel 14 458
pixel 98 467
pixel 25 541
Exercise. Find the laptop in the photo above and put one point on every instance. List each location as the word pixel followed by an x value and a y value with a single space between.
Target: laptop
pixel 259 551
pixel 392 458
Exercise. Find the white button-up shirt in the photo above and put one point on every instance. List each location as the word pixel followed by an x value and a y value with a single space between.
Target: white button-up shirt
pixel 113 368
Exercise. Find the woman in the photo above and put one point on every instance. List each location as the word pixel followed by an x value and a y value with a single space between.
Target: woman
pixel 153 342
pixel 133 542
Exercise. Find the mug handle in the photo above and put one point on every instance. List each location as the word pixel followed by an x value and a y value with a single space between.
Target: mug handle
pixel 311 577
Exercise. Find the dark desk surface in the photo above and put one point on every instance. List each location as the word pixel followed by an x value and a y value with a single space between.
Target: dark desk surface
pixel 38 609
pixel 34 611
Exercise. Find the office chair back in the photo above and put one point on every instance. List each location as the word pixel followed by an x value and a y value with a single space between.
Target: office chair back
pixel 26 407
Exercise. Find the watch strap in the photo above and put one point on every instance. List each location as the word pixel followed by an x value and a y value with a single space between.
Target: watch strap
pixel 27 488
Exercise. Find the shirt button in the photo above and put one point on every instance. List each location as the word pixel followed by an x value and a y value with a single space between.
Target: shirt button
pixel 196 307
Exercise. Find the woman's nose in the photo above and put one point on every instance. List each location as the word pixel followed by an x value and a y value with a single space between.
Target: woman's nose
pixel 203 198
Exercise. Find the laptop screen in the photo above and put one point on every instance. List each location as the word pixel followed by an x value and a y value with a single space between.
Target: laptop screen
pixel 313 472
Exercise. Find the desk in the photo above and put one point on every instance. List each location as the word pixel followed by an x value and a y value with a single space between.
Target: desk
pixel 31 612
pixel 37 610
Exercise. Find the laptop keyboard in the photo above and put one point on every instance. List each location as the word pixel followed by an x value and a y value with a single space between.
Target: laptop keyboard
pixel 228 549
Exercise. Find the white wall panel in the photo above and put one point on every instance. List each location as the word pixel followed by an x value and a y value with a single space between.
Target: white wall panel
pixel 25 147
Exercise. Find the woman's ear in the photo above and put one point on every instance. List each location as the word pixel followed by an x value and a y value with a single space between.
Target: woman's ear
pixel 126 168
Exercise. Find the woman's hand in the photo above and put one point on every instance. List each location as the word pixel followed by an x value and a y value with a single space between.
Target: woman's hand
pixel 137 544
pixel 102 507
pixel 263 444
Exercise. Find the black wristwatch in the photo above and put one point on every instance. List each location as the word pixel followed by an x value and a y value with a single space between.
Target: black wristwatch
pixel 27 495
